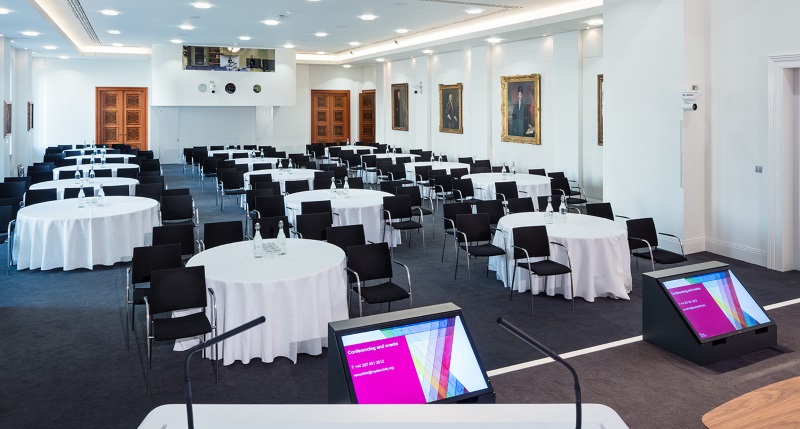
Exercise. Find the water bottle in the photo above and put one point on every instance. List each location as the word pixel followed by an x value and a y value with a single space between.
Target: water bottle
pixel 291 165
pixel 258 245
pixel 562 211
pixel 348 141
pixel 91 174
pixel 101 196
pixel 513 168
pixel 91 162
pixel 394 150
pixel 504 169
pixel 262 153
pixel 548 212
pixel 77 175
pixel 81 198
pixel 346 187
pixel 281 238
pixel 103 158
pixel 333 184
pixel 387 148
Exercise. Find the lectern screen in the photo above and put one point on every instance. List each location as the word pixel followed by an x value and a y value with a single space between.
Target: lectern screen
pixel 425 361
pixel 715 304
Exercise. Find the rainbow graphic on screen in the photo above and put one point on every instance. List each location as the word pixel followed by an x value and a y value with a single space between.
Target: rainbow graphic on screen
pixel 715 303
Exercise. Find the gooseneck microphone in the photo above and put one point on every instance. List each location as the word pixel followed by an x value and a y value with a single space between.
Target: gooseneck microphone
pixel 222 337
pixel 542 348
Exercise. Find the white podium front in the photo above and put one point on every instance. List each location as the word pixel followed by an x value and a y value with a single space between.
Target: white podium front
pixel 448 416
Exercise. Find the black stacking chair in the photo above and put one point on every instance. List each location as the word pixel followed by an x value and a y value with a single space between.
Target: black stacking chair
pixel 442 187
pixel 262 166
pixel 295 186
pixel 117 190
pixel 178 209
pixel 130 173
pixel 355 182
pixel 449 213
pixel 7 223
pixel 12 189
pixel 64 162
pixel 537 171
pixel 313 226
pixel 413 192
pixel 88 191
pixel 464 191
pixel 41 176
pixel 532 242
pixel 220 233
pixel 474 236
pixel 505 191
pixel 250 203
pixel 232 183
pixel 13 202
pixel 26 180
pixel 208 169
pixel 150 190
pixel 274 186
pixel 465 160
pixel 459 172
pixel 322 206
pixel 183 235
pixel 145 260
pixel 66 174
pixel 103 172
pixel 346 235
pixel 495 210
pixel 520 205
pixel 179 289
pixel 270 206
pixel 561 185
pixel 398 215
pixel 269 226
pixel 391 186
pixel 36 196
pixel 175 191
pixel 145 179
pixel 602 210
pixel 642 236
pixel 150 165
pixel 373 263
pixel 258 178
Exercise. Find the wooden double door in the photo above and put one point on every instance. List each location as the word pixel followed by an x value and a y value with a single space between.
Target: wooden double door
pixel 330 116
pixel 121 116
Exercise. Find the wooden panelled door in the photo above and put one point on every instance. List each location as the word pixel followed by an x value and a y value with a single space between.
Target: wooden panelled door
pixel 330 116
pixel 366 116
pixel 121 116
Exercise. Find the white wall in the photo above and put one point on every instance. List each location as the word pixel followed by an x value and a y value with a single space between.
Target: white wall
pixel 449 69
pixel 6 56
pixel 23 149
pixel 591 153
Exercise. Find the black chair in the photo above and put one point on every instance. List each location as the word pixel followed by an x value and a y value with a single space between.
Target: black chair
pixel 239 155
pixel 150 165
pixel 66 174
pixel 355 182
pixel 537 171
pixel 14 202
pixel 269 226
pixel 459 172
pixel 36 196
pixel 115 161
pixel 39 168
pixel 179 289
pixel 232 183
pixel 602 210
pixel 12 189
pixel 520 205
pixel 477 170
pixel 183 235
pixel 250 203
pixel 373 263
pixel 117 190
pixel 259 178
pixel 390 186
pixel 103 172
pixel 505 191
pixel 208 169
pixel 346 235
pixel 7 223
pixel 561 185
pixel 270 206
pixel 494 208
pixel 88 191
pixel 151 190
pixel 178 209
pixel 532 242
pixel 642 235
pixel 413 192
pixel 295 186
pixel 219 147
pixel 175 191
pixel 130 173
pixel 322 206
pixel 65 162
pixel 398 215
pixel 220 233
pixel 449 213
pixel 465 160
pixel 26 180
pixel 313 226
pixel 422 173
pixel 442 188
pixel 145 260
pixel 464 191
pixel 41 176
pixel 145 179
pixel 474 236
pixel 262 166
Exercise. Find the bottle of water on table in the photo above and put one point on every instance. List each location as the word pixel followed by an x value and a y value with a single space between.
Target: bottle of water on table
pixel 562 211
pixel 281 238
pixel 258 245
pixel 81 198
pixel 548 212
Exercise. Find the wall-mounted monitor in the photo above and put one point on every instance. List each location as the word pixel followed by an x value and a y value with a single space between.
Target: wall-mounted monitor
pixel 715 304
pixel 410 357
pixel 214 58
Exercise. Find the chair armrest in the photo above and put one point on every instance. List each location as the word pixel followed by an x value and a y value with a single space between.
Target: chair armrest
pixel 621 216
pixel 466 243
pixel 338 217
pixel 201 245
pixel 358 278
pixel 408 274
pixel 569 262
pixel 421 216
pixel 460 195
pixel 295 233
pixel 675 237
pixel 213 296
pixel 575 209
pixel 502 195
pixel 522 192
pixel 128 283
pixel 452 223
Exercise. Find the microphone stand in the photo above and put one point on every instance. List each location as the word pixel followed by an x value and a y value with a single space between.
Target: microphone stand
pixel 203 345
pixel 542 348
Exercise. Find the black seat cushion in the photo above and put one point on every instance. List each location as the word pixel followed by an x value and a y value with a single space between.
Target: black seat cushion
pixel 662 256
pixel 384 292
pixel 405 224
pixel 482 250
pixel 546 268
pixel 181 327
pixel 139 293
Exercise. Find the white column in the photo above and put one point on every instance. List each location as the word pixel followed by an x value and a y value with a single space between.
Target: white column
pixel 567 104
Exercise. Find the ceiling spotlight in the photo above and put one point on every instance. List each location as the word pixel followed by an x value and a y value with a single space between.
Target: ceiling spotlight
pixel 272 22
pixel 288 46
pixel 245 37
pixel 347 66
pixel 186 27
pixel 367 17
pixel 354 43
pixel 176 41
pixel 321 34
pixel 4 11
pixel 109 12
pixel 30 33
pixel 63 57
pixel 474 11
pixel 320 52
pixel 50 47
pixel 113 31
pixel 597 21
pixel 116 45
pixel 401 31
pixel 202 5
pixel 494 40
pixel 427 51
pixel 380 60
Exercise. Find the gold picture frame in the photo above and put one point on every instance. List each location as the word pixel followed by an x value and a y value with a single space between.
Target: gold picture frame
pixel 520 108
pixel 450 112
pixel 600 110
pixel 400 106
pixel 6 118
pixel 30 115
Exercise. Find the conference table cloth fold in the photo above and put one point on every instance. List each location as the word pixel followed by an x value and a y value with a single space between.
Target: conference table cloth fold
pixel 60 185
pixel 282 175
pixel 299 293
pixel 534 185
pixel 85 168
pixel 598 251
pixel 58 234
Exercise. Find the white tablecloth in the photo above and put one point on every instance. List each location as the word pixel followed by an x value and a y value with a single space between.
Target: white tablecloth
pixel 532 184
pixel 362 206
pixel 298 293
pixel 351 149
pixel 412 175
pixel 85 159
pixel 60 185
pixel 58 234
pixel 251 161
pixel 86 168
pixel 394 156
pixel 230 152
pixel 598 249
pixel 284 174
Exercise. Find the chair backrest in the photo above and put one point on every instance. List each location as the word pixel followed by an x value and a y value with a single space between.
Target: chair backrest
pixel 149 190
pixel 445 181
pixel 391 186
pixel 398 171
pixel 478 169
pixel 494 208
pixel 355 182
pixel 294 186
pixel 464 186
pixel 262 166
pixel 533 239
pixel 66 174
pixel 220 147
pixel 323 175
pixel 560 185
pixel 482 163
pixel 269 226
pixel 103 172
pixel 644 229
pixel 257 178
pixel 41 176
pixel 313 226
pixel 36 196
pixel 270 206
pixel 210 166
pixel 497 169
pixel 151 179
pixel 322 206
pixel 12 202
pixel 415 151
pixel 67 162
pixel 537 171
pixel 151 258
pixel 507 189
pixel 6 215
pixel 465 160
pixel 346 236
pixel 557 175
pixel 238 155
pixel 423 171
pixel 398 207
pixel 520 205
pixel 474 226
pixel 459 172
pixel 180 234
pixel 370 261
pixel 555 201
pixel 175 191
pixel 12 189
pixel 150 164
pixel 600 210
pixel 274 186
pixel 131 173
pixel 177 289
pixel 115 160
pixel 412 192
pixel 88 191
pixel 117 190
pixel 252 194
pixel 340 173
pixel 451 210
pixel 176 208
pixel 370 160
pixel 232 180
pixel 219 233
pixel 24 179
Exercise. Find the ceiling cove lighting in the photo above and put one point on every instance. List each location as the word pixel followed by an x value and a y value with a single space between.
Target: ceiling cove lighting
pixel 202 5
pixel 117 45
pixel 30 33
pixel 347 66
pixel 245 38
pixel 109 12
pixel 494 40
pixel 380 60
pixel 271 22
pixel 187 27
pixel 354 43
pixel 595 22
pixel 63 57
pixel 288 46
pixel 4 11
pixel 427 51
pixel 401 31
pixel 367 17
pixel 321 34
pixel 474 11
pixel 320 52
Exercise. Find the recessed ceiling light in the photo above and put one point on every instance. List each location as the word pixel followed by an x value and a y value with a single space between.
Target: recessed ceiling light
pixel 347 66
pixel 401 30
pixel 272 22
pixel 113 31
pixel 367 17
pixel 4 11
pixel 63 57
pixel 354 43
pixel 494 40
pixel 110 12
pixel 320 52
pixel 595 21
pixel 176 41
pixel 30 33
pixel 245 37
pixel 202 5
pixel 116 45
pixel 474 11
pixel 288 46
pixel 427 51
pixel 320 34
pixel 186 27
pixel 380 60
pixel 49 47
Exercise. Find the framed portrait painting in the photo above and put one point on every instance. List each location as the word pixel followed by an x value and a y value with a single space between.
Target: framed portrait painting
pixel 30 115
pixel 519 108
pixel 6 118
pixel 400 106
pixel 599 110
pixel 450 119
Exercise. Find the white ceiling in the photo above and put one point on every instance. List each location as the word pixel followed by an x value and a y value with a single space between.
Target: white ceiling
pixel 437 24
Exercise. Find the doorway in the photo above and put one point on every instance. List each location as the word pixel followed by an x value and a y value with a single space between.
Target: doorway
pixel 366 116
pixel 121 116
pixel 330 116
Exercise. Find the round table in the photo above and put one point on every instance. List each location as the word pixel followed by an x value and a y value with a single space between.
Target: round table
pixel 598 251
pixel 85 168
pixel 352 149
pixel 284 174
pixel 58 234
pixel 412 175
pixel 251 161
pixel 230 152
pixel 360 206
pixel 298 293
pixel 394 156
pixel 534 185
pixel 97 158
pixel 60 185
